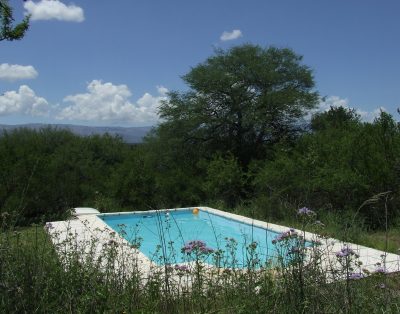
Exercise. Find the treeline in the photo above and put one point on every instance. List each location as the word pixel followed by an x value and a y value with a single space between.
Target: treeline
pixel 43 173
pixel 236 138
pixel 336 166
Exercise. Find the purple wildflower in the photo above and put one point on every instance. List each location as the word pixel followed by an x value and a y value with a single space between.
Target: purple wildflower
pixel 305 211
pixel 291 233
pixel 49 226
pixel 381 270
pixel 187 249
pixel 283 236
pixel 340 254
pixel 205 249
pixel 355 276
pixel 182 268
pixel 345 251
pixel 196 245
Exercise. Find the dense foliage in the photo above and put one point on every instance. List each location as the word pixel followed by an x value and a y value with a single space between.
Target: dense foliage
pixel 237 136
pixel 44 173
pixel 330 168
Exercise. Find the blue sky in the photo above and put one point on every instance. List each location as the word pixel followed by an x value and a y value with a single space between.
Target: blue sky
pixel 111 62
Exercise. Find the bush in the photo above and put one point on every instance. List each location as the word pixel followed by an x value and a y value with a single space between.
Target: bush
pixel 337 169
pixel 225 180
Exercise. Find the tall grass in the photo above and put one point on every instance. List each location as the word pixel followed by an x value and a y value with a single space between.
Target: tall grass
pixel 37 278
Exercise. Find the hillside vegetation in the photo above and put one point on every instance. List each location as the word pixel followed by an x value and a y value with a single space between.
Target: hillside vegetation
pixel 333 167
pixel 237 138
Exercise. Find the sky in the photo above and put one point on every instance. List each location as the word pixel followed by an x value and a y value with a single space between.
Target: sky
pixel 110 63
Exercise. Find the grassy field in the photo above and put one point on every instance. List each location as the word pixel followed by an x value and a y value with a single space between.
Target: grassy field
pixel 34 281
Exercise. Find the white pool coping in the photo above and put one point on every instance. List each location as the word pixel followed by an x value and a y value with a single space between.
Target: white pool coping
pixel 78 211
pixel 89 229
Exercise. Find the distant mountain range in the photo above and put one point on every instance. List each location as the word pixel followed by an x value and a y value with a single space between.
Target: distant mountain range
pixel 129 134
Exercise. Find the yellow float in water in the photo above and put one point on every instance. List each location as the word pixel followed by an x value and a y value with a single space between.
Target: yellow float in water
pixel 195 211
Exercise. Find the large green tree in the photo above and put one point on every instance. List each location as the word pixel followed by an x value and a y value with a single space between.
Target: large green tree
pixel 240 101
pixel 7 30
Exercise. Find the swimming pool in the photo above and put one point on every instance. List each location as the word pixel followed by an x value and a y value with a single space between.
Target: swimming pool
pixel 181 236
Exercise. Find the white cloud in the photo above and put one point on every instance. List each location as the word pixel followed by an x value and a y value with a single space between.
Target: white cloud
pixel 109 102
pixel 23 101
pixel 235 34
pixel 332 101
pixel 13 72
pixel 335 101
pixel 53 10
pixel 370 116
pixel 162 90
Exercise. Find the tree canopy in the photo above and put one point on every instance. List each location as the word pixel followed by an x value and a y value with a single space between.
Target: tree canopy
pixel 335 117
pixel 241 100
pixel 7 30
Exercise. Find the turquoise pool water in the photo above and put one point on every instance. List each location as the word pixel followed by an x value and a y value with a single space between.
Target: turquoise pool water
pixel 164 238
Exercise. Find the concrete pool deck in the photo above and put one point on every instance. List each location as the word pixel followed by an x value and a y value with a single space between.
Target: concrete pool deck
pixel 92 237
